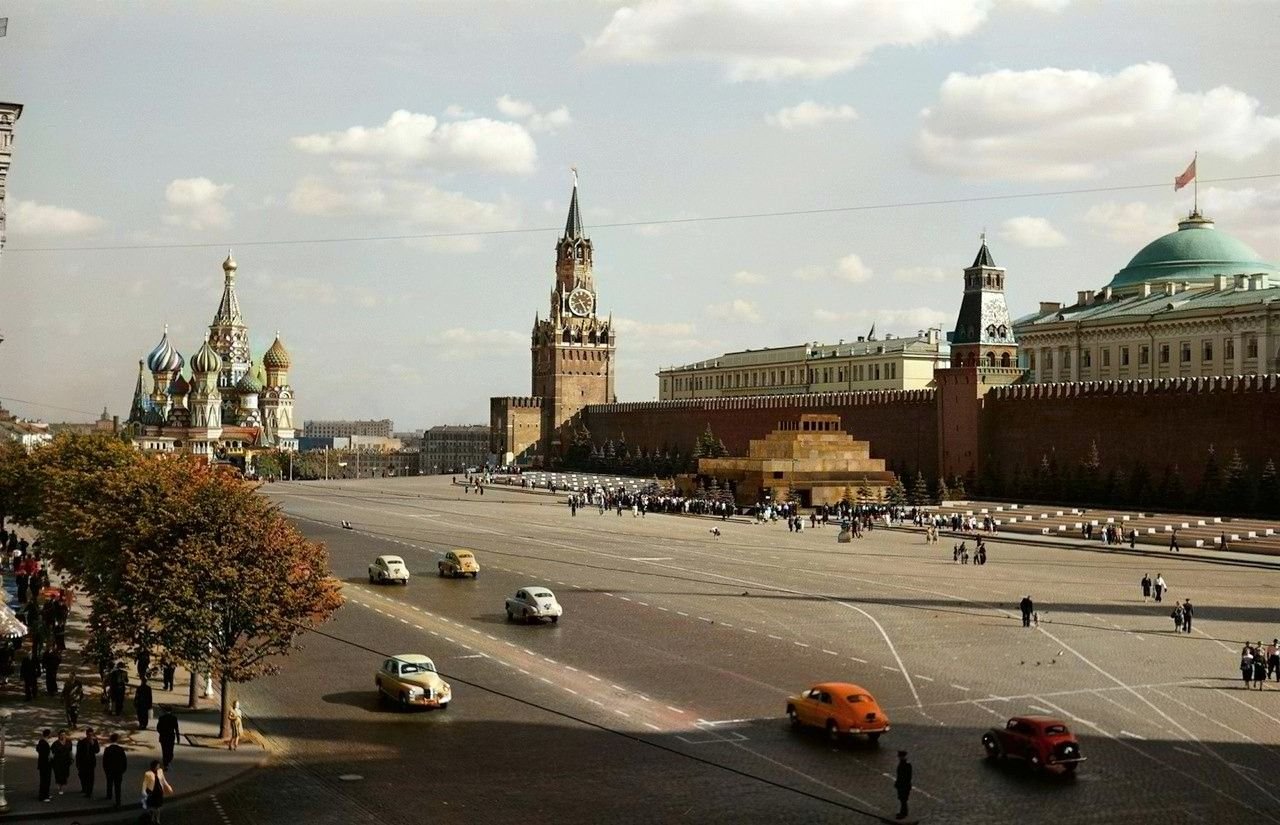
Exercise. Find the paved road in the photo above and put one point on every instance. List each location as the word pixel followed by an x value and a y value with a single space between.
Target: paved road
pixel 659 696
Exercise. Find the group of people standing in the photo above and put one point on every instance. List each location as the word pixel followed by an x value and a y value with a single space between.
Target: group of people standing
pixel 1257 663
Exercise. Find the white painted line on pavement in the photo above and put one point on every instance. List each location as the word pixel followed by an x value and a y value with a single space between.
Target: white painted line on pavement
pixel 571 667
pixel 750 630
pixel 682 613
pixel 924 678
pixel 597 678
pixel 888 668
pixel 522 670
pixel 569 690
pixel 545 679
pixel 1133 735
pixel 664 610
pixel 771 636
pixel 418 627
pixel 624 598
pixel 1187 752
pixel 616 687
pixel 799 644
pixel 596 702
pixel 1044 710
pixel 622 713
pixel 830 652
pixel 725 624
pixel 651 725
pixel 677 710
pixel 549 659
pixel 859 661
pixel 960 687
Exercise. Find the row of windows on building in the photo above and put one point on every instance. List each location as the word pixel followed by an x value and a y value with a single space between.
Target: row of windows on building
pixel 787 377
pixel 1164 353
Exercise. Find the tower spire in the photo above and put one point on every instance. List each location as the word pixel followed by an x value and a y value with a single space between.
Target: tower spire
pixel 573 224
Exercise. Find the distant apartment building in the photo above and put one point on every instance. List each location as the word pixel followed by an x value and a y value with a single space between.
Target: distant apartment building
pixel 411 439
pixel 454 448
pixel 404 462
pixel 380 428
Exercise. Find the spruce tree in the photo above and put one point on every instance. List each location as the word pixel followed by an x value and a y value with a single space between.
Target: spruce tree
pixel 920 490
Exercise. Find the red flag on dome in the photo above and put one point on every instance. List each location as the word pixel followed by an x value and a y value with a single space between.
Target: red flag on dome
pixel 1186 177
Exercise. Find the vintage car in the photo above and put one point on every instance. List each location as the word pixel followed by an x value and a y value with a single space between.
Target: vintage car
pixel 459 563
pixel 531 603
pixel 1044 742
pixel 386 569
pixel 839 708
pixel 411 680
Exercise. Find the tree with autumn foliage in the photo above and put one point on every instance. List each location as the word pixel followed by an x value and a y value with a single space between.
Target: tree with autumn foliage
pixel 179 554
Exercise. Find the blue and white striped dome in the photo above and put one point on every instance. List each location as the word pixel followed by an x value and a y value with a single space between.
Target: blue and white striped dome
pixel 164 358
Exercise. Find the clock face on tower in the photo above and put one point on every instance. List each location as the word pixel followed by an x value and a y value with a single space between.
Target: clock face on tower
pixel 580 302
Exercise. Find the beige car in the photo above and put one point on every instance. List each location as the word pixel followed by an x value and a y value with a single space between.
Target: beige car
pixel 411 680
pixel 459 563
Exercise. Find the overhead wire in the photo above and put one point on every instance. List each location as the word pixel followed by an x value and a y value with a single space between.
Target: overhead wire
pixel 786 213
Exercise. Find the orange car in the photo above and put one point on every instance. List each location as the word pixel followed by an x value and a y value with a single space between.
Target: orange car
pixel 840 708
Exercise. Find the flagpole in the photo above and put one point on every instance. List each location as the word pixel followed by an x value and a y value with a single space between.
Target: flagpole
pixel 1195 190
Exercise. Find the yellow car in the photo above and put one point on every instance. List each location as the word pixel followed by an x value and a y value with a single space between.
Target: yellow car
pixel 840 708
pixel 411 680
pixel 459 563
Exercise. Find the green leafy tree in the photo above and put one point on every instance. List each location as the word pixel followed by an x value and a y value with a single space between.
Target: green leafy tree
pixel 17 500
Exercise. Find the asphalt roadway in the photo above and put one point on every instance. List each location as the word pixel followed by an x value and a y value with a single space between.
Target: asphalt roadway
pixel 659 695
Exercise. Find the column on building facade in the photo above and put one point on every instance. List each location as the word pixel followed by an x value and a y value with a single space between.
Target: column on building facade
pixel 1237 363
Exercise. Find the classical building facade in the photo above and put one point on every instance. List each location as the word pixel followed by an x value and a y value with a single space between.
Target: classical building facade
pixel 454 448
pixel 9 114
pixel 380 428
pixel 572 354
pixel 221 405
pixel 1193 303
pixel 890 363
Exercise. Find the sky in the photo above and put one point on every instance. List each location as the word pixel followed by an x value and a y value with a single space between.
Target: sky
pixel 182 130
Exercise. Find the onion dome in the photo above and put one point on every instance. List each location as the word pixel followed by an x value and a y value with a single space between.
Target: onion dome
pixel 179 387
pixel 229 265
pixel 164 358
pixel 206 360
pixel 277 357
pixel 249 383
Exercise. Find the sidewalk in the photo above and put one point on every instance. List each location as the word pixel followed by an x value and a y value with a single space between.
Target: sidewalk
pixel 200 760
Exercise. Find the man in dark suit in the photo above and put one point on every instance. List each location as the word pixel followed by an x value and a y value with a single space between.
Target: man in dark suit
pixel 902 784
pixel 44 764
pixel 142 704
pixel 1027 606
pixel 30 671
pixel 114 763
pixel 87 761
pixel 167 728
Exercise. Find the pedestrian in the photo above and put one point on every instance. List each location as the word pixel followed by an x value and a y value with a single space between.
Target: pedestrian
pixel 1173 541
pixel 1259 667
pixel 1273 659
pixel 114 763
pixel 1146 586
pixel 167 730
pixel 117 683
pixel 52 660
pixel 144 664
pixel 167 670
pixel 1176 615
pixel 1246 665
pixel 61 754
pixel 72 696
pixel 30 672
pixel 154 788
pixel 142 704
pixel 87 761
pixel 1027 606
pixel 1186 616
pixel 235 723
pixel 1160 586
pixel 1133 538
pixel 44 763
pixel 902 784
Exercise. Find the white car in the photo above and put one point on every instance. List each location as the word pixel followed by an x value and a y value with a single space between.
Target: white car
pixel 533 603
pixel 387 569
pixel 411 679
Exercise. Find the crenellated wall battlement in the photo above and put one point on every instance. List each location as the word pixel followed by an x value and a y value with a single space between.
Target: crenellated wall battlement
pixel 1139 387
pixel 772 402
pixel 514 401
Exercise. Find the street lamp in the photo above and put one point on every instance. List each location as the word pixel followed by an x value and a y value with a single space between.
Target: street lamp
pixel 4 732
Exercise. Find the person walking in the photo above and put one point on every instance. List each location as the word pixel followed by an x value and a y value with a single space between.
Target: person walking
pixel 1133 538
pixel 1160 586
pixel 114 763
pixel 72 696
pixel 1146 586
pixel 167 729
pixel 1186 616
pixel 902 784
pixel 1176 615
pixel 87 761
pixel 44 764
pixel 52 661
pixel 30 672
pixel 154 788
pixel 61 754
pixel 1259 667
pixel 117 683
pixel 142 703
pixel 235 722
pixel 1173 542
pixel 1027 607
pixel 1246 665
pixel 1273 659
pixel 167 670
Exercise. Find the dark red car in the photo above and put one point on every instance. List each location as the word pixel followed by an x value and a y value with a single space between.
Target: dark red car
pixel 1044 742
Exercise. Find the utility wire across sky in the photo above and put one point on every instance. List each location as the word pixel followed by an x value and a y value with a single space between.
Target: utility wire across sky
pixel 14 250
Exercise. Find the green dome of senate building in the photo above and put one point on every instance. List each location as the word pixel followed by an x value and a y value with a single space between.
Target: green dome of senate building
pixel 1195 254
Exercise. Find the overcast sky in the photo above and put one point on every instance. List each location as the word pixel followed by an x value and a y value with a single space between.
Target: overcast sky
pixel 232 123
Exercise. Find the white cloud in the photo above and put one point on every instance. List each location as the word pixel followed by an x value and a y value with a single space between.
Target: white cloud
pixel 920 275
pixel 672 336
pixel 31 218
pixel 461 343
pixel 1056 124
pixel 537 121
pixel 913 318
pixel 809 113
pixel 1132 223
pixel 196 203
pixel 735 310
pixel 455 111
pixel 1034 233
pixel 1251 213
pixel 476 143
pixel 850 268
pixel 744 276
pixel 755 40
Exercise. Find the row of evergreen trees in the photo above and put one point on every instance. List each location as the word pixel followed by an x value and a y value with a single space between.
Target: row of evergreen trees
pixel 620 458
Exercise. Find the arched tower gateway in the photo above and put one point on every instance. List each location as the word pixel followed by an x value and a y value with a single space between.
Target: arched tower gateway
pixel 983 336
pixel 229 337
pixel 573 349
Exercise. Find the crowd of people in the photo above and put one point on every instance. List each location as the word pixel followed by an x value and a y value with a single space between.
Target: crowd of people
pixel 1258 663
